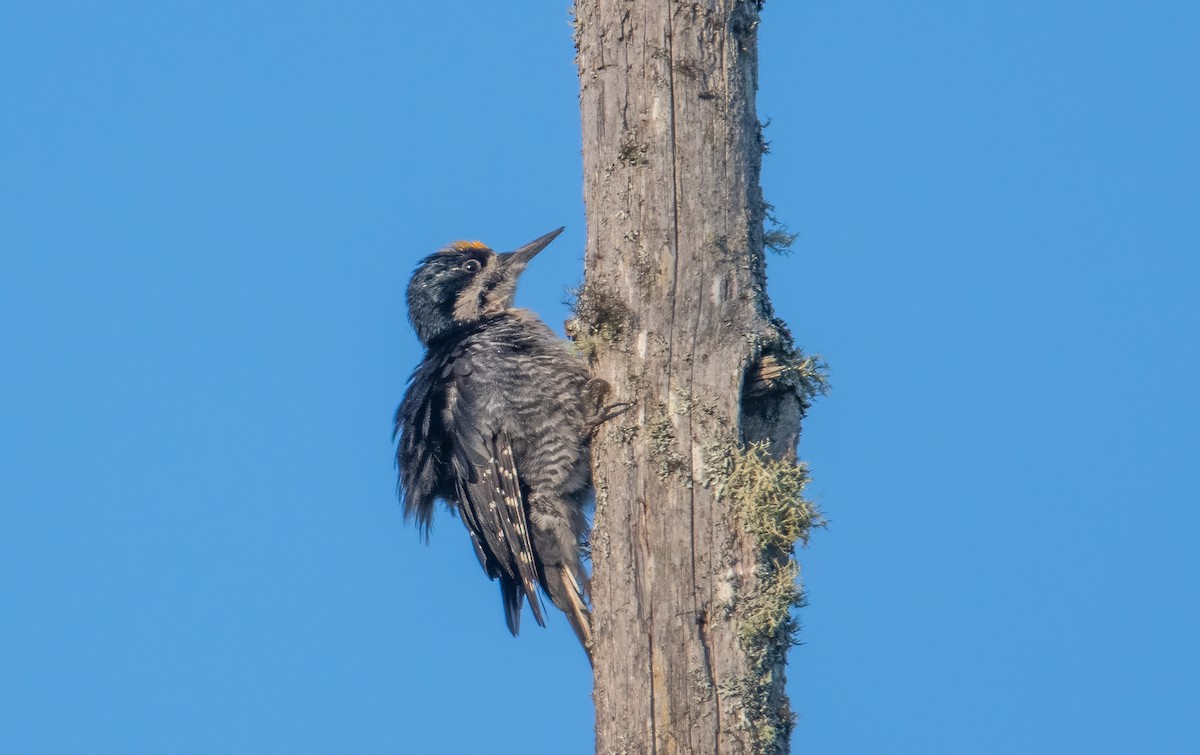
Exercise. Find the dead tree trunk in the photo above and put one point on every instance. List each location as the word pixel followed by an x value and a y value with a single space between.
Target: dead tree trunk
pixel 699 498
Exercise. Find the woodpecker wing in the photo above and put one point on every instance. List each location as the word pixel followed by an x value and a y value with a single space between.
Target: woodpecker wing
pixel 489 491
pixel 493 508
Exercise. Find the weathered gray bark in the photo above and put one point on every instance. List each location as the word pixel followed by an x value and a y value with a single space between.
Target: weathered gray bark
pixel 689 638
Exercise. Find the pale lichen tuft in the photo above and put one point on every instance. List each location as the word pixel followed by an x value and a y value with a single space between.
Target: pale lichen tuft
pixel 767 496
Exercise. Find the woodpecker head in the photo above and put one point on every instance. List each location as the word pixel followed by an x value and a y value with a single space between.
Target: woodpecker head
pixel 465 282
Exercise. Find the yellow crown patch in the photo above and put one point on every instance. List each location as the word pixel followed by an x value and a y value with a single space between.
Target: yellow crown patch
pixel 469 246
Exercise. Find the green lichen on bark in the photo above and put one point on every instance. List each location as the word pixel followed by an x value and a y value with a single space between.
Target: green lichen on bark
pixel 600 319
pixel 766 496
pixel 633 153
pixel 766 629
pixel 664 452
pixel 777 237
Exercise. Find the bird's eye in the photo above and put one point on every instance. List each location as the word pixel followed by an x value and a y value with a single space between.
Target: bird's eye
pixel 471 266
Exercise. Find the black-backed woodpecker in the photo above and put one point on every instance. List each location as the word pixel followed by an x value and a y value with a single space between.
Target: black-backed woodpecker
pixel 496 422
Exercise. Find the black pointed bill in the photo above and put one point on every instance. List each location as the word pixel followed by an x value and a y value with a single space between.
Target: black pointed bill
pixel 520 258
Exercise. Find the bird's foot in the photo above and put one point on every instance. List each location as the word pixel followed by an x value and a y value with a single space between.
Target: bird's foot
pixel 598 412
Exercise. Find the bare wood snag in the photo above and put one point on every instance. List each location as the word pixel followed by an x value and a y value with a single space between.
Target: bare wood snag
pixel 699 496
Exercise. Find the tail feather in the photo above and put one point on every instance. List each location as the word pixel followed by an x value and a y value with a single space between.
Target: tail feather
pixel 513 597
pixel 577 611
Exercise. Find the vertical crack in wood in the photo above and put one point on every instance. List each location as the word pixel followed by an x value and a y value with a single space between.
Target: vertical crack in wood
pixel 710 666
pixel 653 690
pixel 674 148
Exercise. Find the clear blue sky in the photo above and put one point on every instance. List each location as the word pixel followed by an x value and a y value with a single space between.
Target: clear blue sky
pixel 209 211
